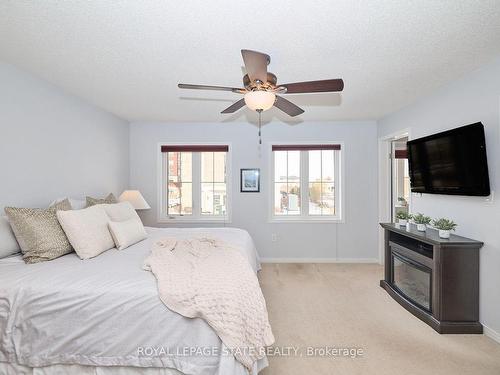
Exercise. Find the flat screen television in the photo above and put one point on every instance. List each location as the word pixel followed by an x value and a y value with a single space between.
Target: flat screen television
pixel 452 162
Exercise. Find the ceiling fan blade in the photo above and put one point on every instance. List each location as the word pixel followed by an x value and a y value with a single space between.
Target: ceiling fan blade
pixel 234 107
pixel 326 85
pixel 287 106
pixel 207 87
pixel 256 64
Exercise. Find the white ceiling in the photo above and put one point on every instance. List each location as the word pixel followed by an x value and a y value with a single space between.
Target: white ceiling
pixel 128 56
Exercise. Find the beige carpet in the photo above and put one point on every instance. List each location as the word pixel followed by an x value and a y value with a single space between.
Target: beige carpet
pixel 340 305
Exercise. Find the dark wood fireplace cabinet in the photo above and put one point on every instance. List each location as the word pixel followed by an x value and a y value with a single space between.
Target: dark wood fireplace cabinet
pixel 435 279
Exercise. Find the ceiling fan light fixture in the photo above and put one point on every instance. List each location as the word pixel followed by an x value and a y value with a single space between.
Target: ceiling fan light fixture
pixel 260 99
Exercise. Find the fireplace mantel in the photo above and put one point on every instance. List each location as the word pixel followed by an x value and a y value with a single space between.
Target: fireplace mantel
pixel 445 292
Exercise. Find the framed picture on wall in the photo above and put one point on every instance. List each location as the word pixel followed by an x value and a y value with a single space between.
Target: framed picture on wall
pixel 250 180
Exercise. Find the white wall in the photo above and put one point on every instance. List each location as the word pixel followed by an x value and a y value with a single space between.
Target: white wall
pixel 53 144
pixel 354 239
pixel 473 98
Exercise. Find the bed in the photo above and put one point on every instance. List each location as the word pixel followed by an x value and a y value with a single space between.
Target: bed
pixel 104 316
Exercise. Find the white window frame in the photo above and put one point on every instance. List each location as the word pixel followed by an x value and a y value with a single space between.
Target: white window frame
pixel 162 216
pixel 339 217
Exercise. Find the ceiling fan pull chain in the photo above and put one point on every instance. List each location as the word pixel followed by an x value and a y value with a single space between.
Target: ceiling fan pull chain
pixel 260 125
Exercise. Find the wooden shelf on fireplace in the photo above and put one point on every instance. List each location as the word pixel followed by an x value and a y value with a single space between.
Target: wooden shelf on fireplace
pixel 453 268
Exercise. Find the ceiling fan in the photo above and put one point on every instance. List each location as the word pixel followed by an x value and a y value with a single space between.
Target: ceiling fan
pixel 261 88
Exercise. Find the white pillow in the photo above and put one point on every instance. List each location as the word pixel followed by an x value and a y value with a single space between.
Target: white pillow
pixel 122 211
pixel 127 233
pixel 76 204
pixel 87 230
pixel 8 242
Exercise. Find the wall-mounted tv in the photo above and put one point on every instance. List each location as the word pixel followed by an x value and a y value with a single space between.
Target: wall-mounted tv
pixel 452 162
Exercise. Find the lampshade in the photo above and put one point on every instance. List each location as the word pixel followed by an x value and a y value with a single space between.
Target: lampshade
pixel 260 99
pixel 135 198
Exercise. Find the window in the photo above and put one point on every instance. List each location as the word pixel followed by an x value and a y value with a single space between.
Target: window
pixel 287 182
pixel 180 183
pixel 194 182
pixel 213 183
pixel 400 177
pixel 306 183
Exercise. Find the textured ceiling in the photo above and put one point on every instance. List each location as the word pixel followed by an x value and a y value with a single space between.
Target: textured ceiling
pixel 128 56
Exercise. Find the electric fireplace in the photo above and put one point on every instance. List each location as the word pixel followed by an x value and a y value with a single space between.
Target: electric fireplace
pixel 412 279
pixel 435 279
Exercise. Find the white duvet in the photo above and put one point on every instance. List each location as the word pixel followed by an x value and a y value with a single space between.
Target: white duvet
pixel 105 311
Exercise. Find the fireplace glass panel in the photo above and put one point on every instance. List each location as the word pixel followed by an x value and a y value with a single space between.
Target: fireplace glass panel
pixel 413 281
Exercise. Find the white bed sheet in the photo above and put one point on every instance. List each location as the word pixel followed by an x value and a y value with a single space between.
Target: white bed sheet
pixel 58 316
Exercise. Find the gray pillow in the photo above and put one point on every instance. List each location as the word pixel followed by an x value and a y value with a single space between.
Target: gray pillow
pixel 38 232
pixel 8 243
pixel 110 199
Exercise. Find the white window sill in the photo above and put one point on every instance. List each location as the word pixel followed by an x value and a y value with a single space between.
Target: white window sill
pixel 185 220
pixel 302 220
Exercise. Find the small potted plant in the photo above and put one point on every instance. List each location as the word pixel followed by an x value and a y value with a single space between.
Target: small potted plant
pixel 403 218
pixel 402 202
pixel 444 226
pixel 421 221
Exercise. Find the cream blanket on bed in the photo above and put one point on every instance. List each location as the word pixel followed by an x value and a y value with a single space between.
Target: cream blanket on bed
pixel 207 278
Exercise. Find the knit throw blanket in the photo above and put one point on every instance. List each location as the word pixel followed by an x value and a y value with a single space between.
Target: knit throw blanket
pixel 207 278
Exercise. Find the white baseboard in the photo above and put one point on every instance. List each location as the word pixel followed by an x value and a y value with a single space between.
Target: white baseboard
pixel 492 334
pixel 319 260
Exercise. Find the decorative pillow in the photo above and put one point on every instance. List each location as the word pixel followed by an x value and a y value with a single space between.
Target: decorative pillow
pixel 76 204
pixel 127 233
pixel 108 200
pixel 38 232
pixel 8 243
pixel 122 211
pixel 87 230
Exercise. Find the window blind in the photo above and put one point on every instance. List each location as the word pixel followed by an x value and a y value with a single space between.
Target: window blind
pixel 195 148
pixel 305 147
pixel 401 154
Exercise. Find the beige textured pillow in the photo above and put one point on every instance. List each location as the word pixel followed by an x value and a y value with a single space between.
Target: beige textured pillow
pixel 76 204
pixel 127 233
pixel 108 200
pixel 87 230
pixel 38 232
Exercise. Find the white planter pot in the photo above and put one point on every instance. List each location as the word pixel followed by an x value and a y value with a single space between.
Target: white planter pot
pixel 444 233
pixel 402 222
pixel 421 227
